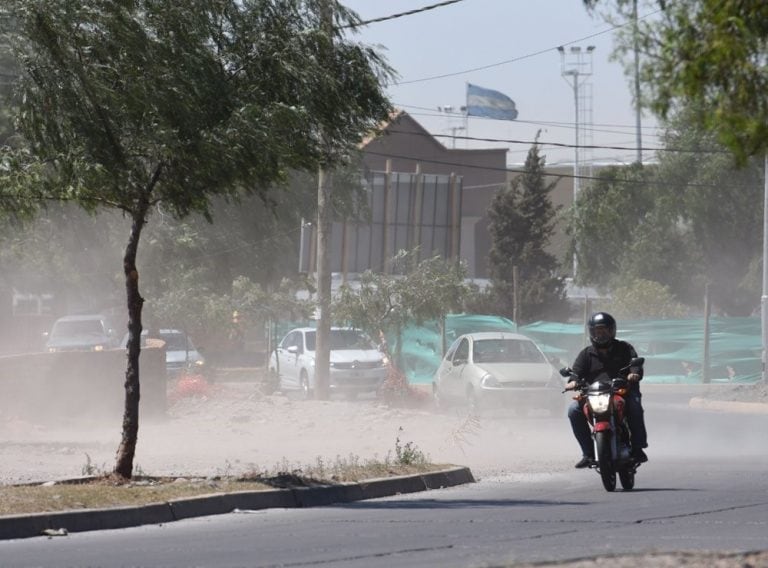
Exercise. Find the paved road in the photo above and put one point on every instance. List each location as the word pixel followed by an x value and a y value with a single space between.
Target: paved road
pixel 682 502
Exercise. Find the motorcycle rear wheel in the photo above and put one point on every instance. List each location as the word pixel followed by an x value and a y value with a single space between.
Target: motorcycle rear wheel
pixel 627 478
pixel 605 460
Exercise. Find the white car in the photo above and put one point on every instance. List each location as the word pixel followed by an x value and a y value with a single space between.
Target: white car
pixel 498 369
pixel 357 366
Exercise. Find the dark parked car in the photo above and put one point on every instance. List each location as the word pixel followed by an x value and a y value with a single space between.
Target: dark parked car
pixel 92 332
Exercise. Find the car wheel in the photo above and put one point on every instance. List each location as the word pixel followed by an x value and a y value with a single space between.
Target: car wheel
pixel 306 391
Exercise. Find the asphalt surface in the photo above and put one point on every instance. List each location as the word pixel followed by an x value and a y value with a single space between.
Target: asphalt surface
pixel 61 523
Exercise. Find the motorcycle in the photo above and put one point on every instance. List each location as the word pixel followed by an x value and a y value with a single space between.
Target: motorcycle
pixel 603 405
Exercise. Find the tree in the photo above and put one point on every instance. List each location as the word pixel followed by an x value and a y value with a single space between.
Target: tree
pixel 8 73
pixel 133 105
pixel 627 226
pixel 640 298
pixel 687 221
pixel 710 55
pixel 384 304
pixel 521 225
pixel 716 202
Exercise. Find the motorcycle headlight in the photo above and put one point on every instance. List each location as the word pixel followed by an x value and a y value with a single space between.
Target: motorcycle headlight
pixel 199 363
pixel 599 402
pixel 489 381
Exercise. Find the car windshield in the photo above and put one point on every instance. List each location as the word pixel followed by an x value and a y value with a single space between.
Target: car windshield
pixel 342 339
pixel 177 342
pixel 506 351
pixel 77 328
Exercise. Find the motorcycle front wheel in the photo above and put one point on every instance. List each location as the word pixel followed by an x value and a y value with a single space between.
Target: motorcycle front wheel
pixel 605 460
pixel 627 478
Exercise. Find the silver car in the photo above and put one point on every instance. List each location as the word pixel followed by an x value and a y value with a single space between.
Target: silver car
pixel 499 369
pixel 181 355
pixel 93 332
pixel 357 366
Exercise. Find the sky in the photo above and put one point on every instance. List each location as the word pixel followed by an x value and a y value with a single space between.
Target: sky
pixel 516 42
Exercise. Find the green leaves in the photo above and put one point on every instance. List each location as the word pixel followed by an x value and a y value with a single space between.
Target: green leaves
pixel 709 55
pixel 384 302
pixel 181 101
pixel 693 218
pixel 521 225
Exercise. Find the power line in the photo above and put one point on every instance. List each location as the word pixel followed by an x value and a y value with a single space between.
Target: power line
pixel 535 122
pixel 557 175
pixel 555 144
pixel 520 58
pixel 401 14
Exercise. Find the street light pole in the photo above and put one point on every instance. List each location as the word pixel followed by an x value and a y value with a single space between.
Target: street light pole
pixel 576 70
pixel 638 107
pixel 450 111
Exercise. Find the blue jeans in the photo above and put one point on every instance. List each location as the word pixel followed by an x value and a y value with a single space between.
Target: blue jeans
pixel 634 410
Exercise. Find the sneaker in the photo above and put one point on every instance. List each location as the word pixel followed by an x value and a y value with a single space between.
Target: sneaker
pixel 639 455
pixel 585 461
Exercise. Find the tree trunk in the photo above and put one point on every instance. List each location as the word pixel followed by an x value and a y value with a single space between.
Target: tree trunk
pixel 127 449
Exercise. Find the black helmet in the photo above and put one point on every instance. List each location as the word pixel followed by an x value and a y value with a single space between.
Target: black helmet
pixel 605 320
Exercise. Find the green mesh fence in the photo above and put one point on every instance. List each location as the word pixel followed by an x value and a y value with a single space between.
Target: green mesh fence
pixel 674 349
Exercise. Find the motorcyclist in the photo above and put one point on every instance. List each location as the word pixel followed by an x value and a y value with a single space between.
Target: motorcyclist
pixel 607 355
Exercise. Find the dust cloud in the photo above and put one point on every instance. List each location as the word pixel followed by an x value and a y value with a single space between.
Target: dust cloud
pixel 231 428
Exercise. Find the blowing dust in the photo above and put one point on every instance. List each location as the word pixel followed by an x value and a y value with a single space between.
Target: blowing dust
pixel 231 428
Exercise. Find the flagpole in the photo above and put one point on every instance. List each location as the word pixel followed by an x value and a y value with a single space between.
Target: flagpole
pixel 466 115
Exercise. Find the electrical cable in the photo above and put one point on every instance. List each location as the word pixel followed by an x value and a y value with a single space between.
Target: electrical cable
pixel 401 14
pixel 555 144
pixel 520 58
pixel 558 175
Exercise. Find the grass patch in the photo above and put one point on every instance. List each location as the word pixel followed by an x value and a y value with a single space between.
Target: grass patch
pixel 102 490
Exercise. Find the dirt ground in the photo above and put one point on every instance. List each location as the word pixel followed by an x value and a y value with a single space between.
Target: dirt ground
pixel 230 428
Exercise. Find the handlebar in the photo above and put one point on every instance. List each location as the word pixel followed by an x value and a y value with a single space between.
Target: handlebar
pixel 581 383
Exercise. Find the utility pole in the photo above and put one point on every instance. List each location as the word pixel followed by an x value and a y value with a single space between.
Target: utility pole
pixel 638 127
pixel 324 209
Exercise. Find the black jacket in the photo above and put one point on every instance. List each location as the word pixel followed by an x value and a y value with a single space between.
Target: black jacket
pixel 591 363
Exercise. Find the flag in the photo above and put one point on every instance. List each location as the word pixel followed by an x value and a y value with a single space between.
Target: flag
pixel 489 104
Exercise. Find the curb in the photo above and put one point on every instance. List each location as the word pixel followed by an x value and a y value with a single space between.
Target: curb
pixel 61 523
pixel 729 406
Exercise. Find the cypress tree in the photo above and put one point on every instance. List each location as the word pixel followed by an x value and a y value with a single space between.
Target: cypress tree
pixel 522 221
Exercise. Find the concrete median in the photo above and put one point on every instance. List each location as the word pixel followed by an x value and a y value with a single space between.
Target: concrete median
pixel 64 522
